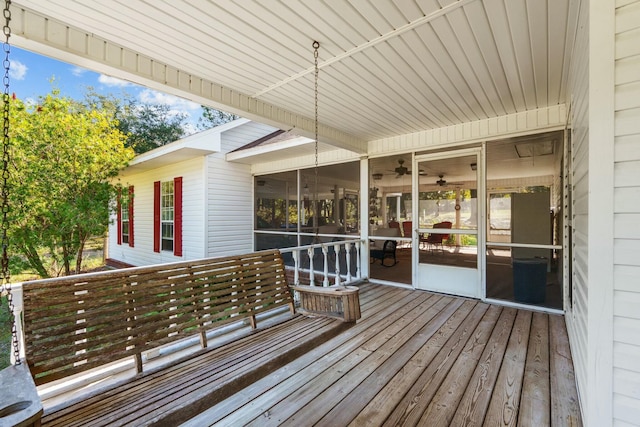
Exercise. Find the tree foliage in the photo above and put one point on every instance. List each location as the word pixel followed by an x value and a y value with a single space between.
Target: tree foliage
pixel 64 158
pixel 212 118
pixel 147 126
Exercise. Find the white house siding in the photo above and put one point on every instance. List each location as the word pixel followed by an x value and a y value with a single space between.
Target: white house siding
pixel 576 314
pixel 626 299
pixel 230 194
pixel 193 233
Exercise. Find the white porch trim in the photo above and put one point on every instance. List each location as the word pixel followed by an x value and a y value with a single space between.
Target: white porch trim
pixel 41 34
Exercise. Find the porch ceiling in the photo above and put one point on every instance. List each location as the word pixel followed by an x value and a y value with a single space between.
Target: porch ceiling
pixel 388 67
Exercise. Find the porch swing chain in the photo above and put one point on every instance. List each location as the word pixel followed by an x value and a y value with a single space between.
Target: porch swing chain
pixel 316 46
pixel 6 279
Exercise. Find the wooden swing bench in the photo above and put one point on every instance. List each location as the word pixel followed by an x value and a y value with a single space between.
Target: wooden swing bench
pixel 78 323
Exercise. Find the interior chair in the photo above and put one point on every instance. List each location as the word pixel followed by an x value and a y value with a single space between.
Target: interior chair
pixel 388 251
pixel 407 229
pixel 434 240
pixel 407 232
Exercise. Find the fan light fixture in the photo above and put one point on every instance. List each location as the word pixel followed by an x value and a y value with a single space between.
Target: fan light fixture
pixel 376 176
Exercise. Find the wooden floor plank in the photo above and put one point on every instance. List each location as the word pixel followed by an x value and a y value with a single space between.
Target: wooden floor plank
pixel 475 366
pixel 475 401
pixel 535 407
pixel 433 354
pixel 565 410
pixel 371 376
pixel 505 396
pixel 325 390
pixel 352 403
pixel 463 355
pixel 240 411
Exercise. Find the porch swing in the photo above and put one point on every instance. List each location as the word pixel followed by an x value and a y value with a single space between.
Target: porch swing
pixel 19 401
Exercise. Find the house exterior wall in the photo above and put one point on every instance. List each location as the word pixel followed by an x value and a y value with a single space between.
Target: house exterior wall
pixel 193 205
pixel 229 214
pixel 626 269
pixel 603 318
pixel 577 313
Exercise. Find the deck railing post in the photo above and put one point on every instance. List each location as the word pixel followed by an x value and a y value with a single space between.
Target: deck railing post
pixel 325 252
pixel 296 267
pixel 336 251
pixel 358 246
pixel 311 275
pixel 347 247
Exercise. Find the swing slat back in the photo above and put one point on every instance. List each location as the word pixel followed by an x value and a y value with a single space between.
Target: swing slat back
pixel 75 323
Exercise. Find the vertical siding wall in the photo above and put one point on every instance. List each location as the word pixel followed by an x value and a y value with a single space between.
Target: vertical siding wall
pixel 192 222
pixel 626 307
pixel 577 315
pixel 230 195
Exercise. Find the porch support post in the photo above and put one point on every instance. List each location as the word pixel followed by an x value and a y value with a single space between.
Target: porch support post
pixel 364 218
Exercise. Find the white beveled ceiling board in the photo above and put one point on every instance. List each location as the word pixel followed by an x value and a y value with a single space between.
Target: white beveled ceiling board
pixel 388 67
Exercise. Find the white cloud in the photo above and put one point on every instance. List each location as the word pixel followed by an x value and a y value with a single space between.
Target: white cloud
pixel 78 71
pixel 149 96
pixel 112 81
pixel 18 70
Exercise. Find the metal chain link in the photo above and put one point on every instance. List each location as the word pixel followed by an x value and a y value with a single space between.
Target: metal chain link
pixel 316 46
pixel 6 147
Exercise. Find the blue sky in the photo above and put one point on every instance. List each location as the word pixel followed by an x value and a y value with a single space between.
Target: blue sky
pixel 31 75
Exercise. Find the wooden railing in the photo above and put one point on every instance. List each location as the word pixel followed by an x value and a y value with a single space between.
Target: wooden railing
pixel 324 264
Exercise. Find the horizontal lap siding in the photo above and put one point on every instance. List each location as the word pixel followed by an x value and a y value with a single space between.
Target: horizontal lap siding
pixel 193 206
pixel 626 349
pixel 577 315
pixel 229 215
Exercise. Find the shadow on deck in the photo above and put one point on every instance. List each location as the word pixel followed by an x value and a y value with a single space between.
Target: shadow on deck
pixel 417 358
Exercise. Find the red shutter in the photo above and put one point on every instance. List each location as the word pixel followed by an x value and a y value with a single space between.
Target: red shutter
pixel 119 215
pixel 177 216
pixel 156 216
pixel 131 215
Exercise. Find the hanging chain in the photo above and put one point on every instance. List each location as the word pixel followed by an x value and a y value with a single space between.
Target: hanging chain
pixel 316 46
pixel 6 99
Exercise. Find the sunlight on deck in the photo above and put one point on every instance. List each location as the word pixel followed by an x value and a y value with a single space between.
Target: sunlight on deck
pixel 417 358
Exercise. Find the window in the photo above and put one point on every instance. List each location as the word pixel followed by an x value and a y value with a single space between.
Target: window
pixel 125 221
pixel 125 217
pixel 167 216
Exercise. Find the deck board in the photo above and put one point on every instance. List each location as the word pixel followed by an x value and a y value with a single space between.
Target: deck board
pixel 417 358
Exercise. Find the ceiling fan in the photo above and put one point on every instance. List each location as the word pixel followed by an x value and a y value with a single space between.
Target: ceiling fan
pixel 441 182
pixel 401 169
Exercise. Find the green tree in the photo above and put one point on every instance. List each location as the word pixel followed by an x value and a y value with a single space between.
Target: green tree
pixel 212 118
pixel 147 126
pixel 65 156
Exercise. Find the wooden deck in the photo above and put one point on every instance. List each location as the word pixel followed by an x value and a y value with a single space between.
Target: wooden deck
pixel 417 358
